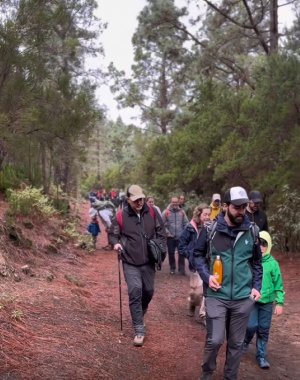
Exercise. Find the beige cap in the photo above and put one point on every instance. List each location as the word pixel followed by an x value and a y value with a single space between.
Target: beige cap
pixel 135 192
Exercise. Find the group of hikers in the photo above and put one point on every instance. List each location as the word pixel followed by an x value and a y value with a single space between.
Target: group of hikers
pixel 234 305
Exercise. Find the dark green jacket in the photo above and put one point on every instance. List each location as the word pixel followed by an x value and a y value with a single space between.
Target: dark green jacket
pixel 241 258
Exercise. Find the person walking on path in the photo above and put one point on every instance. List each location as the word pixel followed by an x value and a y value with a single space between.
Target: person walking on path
pixel 174 219
pixel 187 240
pixel 271 291
pixel 229 303
pixel 131 228
pixel 215 206
pixel 94 229
pixel 254 211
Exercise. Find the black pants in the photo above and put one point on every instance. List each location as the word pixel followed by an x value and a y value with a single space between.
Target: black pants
pixel 172 245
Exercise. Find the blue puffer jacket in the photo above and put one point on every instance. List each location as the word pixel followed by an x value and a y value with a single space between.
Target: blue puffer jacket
pixel 187 241
pixel 94 228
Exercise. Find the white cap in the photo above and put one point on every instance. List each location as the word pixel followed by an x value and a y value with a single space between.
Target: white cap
pixel 216 197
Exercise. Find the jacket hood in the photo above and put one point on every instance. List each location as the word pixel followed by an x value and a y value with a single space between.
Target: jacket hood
pixel 266 236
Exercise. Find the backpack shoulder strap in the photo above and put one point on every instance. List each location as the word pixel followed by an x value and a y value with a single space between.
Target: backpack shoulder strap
pixel 254 231
pixel 152 212
pixel 119 218
pixel 211 230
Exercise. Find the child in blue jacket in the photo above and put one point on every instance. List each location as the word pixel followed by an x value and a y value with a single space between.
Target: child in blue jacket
pixel 94 229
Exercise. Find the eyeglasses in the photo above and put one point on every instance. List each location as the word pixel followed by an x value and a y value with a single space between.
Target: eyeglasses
pixel 241 207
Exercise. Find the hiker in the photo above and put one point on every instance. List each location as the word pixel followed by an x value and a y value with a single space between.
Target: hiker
pixel 215 206
pixel 272 291
pixel 175 220
pixel 106 212
pixel 254 211
pixel 229 303
pixel 94 228
pixel 187 240
pixel 150 203
pixel 184 206
pixel 129 232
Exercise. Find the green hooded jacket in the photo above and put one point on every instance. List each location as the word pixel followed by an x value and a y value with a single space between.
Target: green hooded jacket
pixel 272 285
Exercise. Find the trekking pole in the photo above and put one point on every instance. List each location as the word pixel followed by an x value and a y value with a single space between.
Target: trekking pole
pixel 120 288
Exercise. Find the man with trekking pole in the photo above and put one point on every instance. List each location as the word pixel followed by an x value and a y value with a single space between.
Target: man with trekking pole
pixel 130 233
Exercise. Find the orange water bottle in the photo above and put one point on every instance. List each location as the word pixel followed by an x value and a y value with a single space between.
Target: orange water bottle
pixel 218 269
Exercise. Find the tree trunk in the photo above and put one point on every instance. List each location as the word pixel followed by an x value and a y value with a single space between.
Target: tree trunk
pixel 274 26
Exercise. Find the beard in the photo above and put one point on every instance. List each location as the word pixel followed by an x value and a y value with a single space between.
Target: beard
pixel 237 219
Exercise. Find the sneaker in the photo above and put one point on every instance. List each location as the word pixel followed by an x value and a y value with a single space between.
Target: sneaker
pixel 263 363
pixel 138 340
pixel 172 272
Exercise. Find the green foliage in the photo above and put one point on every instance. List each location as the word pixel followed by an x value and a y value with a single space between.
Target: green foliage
pixel 83 241
pixel 29 201
pixel 88 183
pixel 10 177
pixel 285 219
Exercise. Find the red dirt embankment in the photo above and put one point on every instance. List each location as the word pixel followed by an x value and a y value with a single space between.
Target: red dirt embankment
pixel 62 321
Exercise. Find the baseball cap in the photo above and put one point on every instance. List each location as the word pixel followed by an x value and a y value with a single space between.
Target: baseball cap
pixel 255 196
pixel 135 192
pixel 216 197
pixel 236 195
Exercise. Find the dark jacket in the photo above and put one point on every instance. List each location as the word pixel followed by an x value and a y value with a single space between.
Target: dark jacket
pixel 131 234
pixel 94 228
pixel 187 242
pixel 240 255
pixel 260 218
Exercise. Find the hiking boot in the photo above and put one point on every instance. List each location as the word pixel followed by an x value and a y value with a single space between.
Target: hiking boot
pixel 138 340
pixel 263 363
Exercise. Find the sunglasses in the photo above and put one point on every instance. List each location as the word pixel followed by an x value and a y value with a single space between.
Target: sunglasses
pixel 263 243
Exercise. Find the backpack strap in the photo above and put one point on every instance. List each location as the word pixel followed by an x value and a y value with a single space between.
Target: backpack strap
pixel 119 218
pixel 254 232
pixel 211 231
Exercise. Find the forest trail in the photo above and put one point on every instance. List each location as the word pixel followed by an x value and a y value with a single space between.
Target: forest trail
pixel 68 327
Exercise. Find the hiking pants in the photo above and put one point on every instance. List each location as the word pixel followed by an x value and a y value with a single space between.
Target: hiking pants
pixel 260 323
pixel 140 284
pixel 225 318
pixel 172 244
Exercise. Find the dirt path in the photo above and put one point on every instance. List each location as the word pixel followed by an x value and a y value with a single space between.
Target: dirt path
pixel 70 326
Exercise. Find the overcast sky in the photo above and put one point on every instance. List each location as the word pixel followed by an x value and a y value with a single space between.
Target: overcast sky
pixel 121 16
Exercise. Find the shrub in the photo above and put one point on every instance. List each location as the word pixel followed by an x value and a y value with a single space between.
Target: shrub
pixel 10 177
pixel 284 220
pixel 29 201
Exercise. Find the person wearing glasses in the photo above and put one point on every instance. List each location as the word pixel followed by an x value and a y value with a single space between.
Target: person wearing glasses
pixel 271 292
pixel 229 303
pixel 129 232
pixel 254 211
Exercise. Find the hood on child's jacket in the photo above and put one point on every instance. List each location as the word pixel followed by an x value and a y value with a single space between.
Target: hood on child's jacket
pixel 266 236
